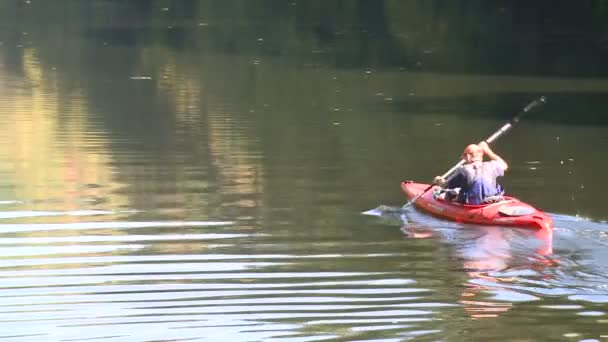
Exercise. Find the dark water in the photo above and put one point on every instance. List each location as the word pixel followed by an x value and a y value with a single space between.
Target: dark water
pixel 177 171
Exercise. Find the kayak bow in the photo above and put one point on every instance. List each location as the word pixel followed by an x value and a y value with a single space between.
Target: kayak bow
pixel 508 212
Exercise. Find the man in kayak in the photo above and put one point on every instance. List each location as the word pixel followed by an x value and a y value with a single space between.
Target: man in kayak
pixel 476 178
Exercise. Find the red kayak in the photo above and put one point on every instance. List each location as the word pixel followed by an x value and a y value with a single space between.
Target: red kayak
pixel 508 212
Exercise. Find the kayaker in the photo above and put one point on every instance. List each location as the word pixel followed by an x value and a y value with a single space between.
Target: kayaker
pixel 476 178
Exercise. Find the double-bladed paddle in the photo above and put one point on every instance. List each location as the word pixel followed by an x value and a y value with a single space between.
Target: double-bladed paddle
pixel 532 105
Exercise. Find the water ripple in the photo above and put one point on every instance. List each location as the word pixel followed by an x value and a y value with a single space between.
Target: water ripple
pixel 32 227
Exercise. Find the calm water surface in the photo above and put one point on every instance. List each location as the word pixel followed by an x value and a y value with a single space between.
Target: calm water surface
pixel 163 192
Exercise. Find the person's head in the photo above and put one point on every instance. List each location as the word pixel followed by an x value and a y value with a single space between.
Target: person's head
pixel 472 153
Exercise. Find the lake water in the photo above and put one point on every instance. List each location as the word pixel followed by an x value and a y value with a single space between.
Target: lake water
pixel 197 171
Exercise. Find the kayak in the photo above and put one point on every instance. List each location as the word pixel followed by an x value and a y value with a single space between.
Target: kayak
pixel 508 212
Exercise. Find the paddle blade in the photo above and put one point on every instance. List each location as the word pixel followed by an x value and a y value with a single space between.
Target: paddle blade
pixel 379 211
pixel 388 212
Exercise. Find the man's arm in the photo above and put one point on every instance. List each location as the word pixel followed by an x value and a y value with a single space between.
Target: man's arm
pixel 493 156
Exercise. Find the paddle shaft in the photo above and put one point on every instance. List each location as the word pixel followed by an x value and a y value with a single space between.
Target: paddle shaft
pixel 502 130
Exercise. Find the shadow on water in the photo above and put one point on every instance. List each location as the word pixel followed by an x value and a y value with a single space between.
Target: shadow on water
pixel 505 265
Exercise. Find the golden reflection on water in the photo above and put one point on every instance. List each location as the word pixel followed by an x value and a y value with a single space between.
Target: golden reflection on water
pixel 215 126
pixel 53 152
pixel 48 147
